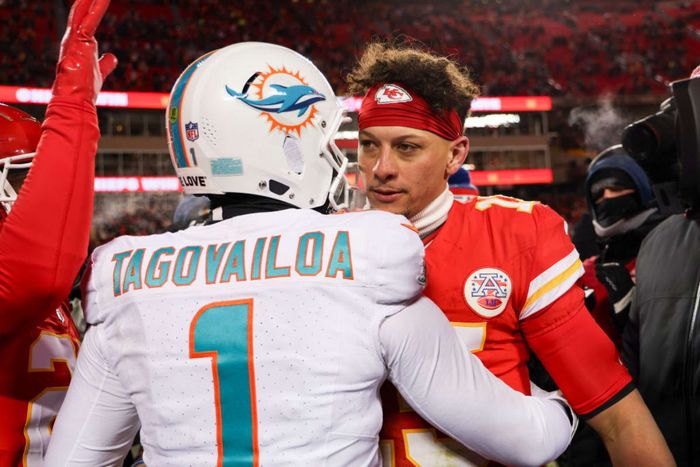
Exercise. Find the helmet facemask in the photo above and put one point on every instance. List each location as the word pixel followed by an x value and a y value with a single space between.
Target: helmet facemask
pixel 19 137
pixel 9 167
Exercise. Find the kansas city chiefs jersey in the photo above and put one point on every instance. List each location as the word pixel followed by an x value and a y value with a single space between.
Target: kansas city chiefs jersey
pixel 495 264
pixel 36 364
pixel 216 335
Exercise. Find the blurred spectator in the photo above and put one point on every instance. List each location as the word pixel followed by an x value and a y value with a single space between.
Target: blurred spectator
pixel 513 47
pixel 623 212
pixel 120 214
pixel 191 210
pixel 461 186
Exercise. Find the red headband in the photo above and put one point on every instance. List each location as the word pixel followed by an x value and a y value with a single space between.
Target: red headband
pixel 395 105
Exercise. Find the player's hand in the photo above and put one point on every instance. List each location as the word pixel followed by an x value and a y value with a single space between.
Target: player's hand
pixel 79 72
pixel 619 284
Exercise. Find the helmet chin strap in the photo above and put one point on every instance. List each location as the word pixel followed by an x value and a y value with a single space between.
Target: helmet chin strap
pixel 623 225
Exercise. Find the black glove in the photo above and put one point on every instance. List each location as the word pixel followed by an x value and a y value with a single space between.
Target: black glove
pixel 616 279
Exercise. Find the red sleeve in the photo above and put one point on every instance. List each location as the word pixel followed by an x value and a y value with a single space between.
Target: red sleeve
pixel 44 240
pixel 577 353
pixel 554 265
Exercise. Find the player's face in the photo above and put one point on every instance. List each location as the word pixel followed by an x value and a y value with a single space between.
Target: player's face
pixel 404 169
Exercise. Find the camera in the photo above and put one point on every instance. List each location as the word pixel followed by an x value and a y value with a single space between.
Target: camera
pixel 666 145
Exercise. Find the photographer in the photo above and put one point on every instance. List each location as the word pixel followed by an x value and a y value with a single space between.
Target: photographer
pixel 661 341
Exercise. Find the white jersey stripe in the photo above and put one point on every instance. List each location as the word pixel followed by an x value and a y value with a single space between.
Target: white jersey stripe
pixel 552 283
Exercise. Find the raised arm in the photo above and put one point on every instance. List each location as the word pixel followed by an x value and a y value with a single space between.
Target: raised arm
pixel 451 389
pixel 44 239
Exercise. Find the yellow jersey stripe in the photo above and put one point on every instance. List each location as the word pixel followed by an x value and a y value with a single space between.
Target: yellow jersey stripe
pixel 575 266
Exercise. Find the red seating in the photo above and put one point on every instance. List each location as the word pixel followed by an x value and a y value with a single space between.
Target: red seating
pixel 512 47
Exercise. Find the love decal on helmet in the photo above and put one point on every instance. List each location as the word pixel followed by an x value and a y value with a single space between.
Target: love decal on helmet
pixel 283 97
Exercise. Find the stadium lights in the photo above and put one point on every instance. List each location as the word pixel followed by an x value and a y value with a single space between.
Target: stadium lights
pixel 492 121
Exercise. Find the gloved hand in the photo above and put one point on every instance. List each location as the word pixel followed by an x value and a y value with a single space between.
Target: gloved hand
pixel 619 284
pixel 79 73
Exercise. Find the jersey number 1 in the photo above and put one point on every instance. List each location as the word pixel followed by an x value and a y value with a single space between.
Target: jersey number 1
pixel 223 331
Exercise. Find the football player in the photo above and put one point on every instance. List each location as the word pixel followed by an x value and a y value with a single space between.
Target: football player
pixel 263 337
pixel 501 269
pixel 44 238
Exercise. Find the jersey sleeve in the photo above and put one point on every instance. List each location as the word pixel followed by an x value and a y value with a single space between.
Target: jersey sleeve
pixel 555 264
pixel 44 240
pixel 451 389
pixel 394 257
pixel 578 354
pixel 97 422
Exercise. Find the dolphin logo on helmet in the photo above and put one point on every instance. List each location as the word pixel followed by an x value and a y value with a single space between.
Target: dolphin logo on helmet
pixel 285 150
pixel 290 98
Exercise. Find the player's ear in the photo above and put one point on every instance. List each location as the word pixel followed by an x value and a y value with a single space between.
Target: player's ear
pixel 459 149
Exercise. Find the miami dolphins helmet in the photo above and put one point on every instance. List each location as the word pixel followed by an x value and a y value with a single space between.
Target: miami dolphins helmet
pixel 257 119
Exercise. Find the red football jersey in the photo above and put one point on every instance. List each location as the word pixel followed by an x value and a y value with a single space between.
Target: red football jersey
pixel 504 270
pixel 43 242
pixel 36 365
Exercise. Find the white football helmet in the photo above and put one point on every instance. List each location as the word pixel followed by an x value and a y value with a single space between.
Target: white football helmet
pixel 259 119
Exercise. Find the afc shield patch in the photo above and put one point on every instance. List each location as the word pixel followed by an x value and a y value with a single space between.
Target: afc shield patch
pixel 487 291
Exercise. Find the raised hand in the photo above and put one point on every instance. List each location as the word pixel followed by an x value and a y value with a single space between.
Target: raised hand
pixel 79 72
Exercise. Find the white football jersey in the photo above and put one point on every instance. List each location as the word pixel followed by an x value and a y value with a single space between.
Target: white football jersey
pixel 258 333
pixel 262 341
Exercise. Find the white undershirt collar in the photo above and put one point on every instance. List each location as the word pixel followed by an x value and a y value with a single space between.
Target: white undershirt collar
pixel 434 215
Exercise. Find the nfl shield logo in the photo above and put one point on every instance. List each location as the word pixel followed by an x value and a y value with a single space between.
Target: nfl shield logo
pixel 191 131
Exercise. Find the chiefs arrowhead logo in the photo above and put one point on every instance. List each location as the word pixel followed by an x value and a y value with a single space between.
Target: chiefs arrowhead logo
pixel 392 94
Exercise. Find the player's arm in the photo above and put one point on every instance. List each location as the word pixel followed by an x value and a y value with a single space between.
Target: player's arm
pixel 97 421
pixel 45 237
pixel 452 390
pixel 631 435
pixel 587 368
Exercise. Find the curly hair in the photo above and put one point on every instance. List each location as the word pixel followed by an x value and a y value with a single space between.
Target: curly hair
pixel 440 81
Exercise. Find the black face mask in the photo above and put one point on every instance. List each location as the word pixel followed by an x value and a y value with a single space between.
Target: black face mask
pixel 612 210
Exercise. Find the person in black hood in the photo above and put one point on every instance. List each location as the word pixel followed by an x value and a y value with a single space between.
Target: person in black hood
pixel 624 211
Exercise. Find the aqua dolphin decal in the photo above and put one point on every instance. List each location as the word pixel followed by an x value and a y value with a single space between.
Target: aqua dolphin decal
pixel 290 98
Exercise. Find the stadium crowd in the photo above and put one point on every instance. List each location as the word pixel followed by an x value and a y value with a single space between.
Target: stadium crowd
pixel 626 47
